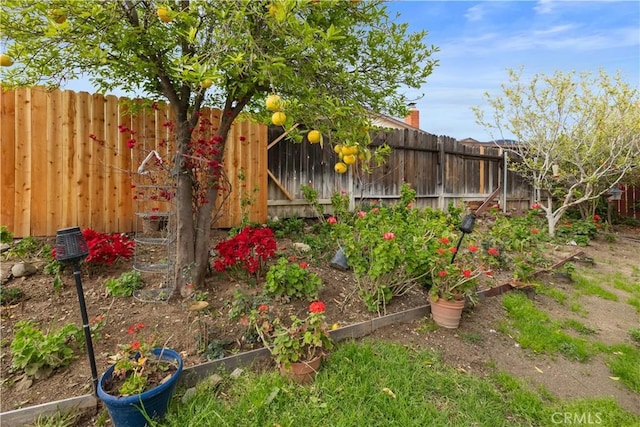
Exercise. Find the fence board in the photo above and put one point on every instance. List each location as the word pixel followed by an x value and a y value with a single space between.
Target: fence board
pixel 53 160
pixel 69 204
pixel 7 159
pixel 22 207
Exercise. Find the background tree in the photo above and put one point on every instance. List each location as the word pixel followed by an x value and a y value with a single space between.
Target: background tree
pixel 330 60
pixel 577 135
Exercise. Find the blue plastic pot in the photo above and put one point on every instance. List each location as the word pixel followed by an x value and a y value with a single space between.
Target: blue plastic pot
pixel 129 411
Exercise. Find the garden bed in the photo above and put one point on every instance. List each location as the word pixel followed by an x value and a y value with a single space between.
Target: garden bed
pixel 186 330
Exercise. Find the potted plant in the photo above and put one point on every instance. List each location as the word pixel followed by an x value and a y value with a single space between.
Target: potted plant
pixel 299 346
pixel 140 383
pixel 454 279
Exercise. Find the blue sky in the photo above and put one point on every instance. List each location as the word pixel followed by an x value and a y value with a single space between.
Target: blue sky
pixel 480 40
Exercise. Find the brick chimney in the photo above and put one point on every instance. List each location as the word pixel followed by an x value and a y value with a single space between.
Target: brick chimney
pixel 413 118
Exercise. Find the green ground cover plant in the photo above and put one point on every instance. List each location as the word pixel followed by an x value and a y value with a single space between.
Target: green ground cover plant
pixel 38 353
pixel 292 280
pixel 125 285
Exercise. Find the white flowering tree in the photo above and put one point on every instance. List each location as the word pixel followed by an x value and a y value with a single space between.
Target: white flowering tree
pixel 577 135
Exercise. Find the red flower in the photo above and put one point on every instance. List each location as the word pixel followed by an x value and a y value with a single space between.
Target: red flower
pixel 441 251
pixel 473 248
pixel 535 205
pixel 388 236
pixel 535 231
pixel 493 251
pixel 303 265
pixel 444 240
pixel 362 214
pixel 317 307
pixel 135 345
pixel 263 307
pixel 466 273
pixel 488 272
pixel 332 220
pixel 596 218
pixel 135 328
pixel 453 250
pixel 442 273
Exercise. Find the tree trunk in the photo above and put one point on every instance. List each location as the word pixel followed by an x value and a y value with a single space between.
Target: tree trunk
pixel 184 213
pixel 193 253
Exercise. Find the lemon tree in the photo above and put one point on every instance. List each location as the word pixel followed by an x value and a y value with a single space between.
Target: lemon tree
pixel 311 54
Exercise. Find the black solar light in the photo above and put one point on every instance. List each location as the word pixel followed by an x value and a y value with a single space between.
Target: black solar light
pixel 468 222
pixel 71 248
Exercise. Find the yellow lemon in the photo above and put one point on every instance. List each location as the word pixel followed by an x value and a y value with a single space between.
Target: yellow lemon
pixel 273 103
pixel 338 148
pixel 278 118
pixel 163 14
pixel 206 83
pixel 349 159
pixel 340 167
pixel 6 60
pixel 314 136
pixel 349 149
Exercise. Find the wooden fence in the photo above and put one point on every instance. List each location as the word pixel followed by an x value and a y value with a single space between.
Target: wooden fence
pixel 65 161
pixel 440 169
pixel 629 203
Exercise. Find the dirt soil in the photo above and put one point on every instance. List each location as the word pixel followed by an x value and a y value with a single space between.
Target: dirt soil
pixel 476 347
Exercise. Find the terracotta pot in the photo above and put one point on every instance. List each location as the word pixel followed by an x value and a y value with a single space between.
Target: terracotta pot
pixel 446 313
pixel 302 372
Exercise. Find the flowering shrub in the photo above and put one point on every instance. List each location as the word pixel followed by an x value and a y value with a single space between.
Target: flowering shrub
pixel 249 249
pixel 300 340
pixel 389 248
pixel 459 279
pixel 137 369
pixel 105 248
pixel 292 280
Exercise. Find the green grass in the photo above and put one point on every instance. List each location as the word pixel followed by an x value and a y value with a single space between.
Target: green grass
pixel 634 302
pixel 375 383
pixel 620 281
pixel 624 363
pixel 591 286
pixel 559 296
pixel 578 327
pixel 535 330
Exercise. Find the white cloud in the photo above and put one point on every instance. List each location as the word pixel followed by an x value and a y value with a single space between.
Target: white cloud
pixel 475 13
pixel 544 7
